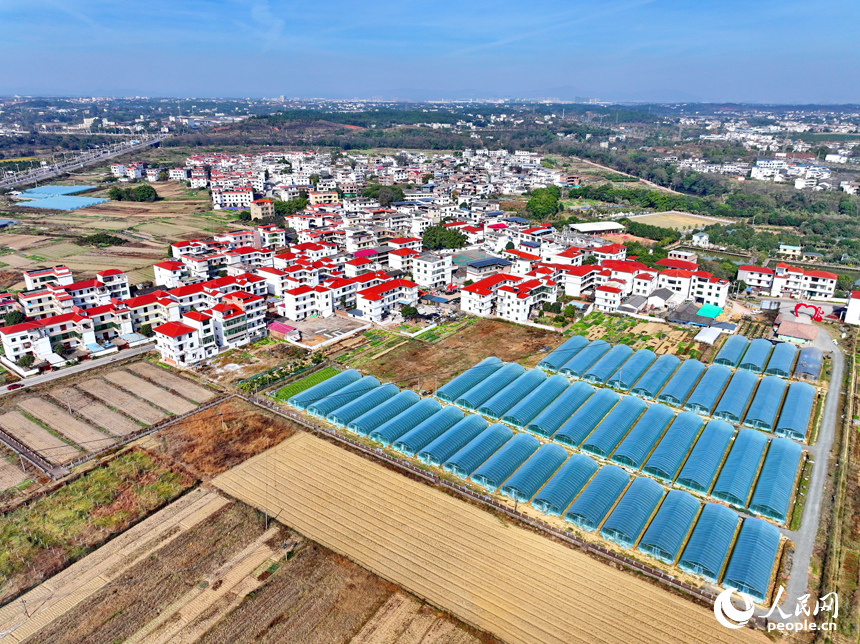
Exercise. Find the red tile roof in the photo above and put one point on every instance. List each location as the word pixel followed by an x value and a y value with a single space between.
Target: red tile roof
pixel 756 269
pixel 174 329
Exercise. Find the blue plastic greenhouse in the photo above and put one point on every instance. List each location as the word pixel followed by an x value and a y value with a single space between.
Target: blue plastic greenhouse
pixel 499 467
pixel 523 412
pixel 322 407
pixel 598 497
pixel 670 526
pixel 554 497
pixel 564 353
pixel 682 383
pixel 667 457
pixel 489 387
pixel 737 475
pixel 582 361
pixel 781 360
pixel 706 394
pixel 709 543
pixel 586 418
pixel 393 429
pixel 309 396
pixel 632 370
pixel 550 419
pixel 452 441
pixel 756 356
pixel 371 400
pixel 732 352
pixel 450 391
pixel 526 481
pixel 776 481
pixel 809 363
pixel 700 470
pixel 734 401
pixel 796 411
pixel 600 372
pixel 750 567
pixel 423 433
pixel 636 447
pixel 766 403
pixel 631 514
pixel 366 423
pixel 473 455
pixel 614 427
pixel 649 385
pixel 501 402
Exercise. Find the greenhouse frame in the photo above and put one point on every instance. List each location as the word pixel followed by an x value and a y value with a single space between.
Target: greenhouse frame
pixel 489 387
pixel 700 470
pixel 595 501
pixel 636 447
pixel 563 487
pixel 670 526
pixel 632 370
pixel 600 372
pixel 366 423
pixel 450 391
pixel 706 394
pixel 496 406
pixel 766 403
pixel 709 543
pixel 563 353
pixel 342 416
pixel 479 449
pixel 510 457
pixel 439 450
pixel 796 411
pixel 737 475
pixel 775 485
pixel 432 428
pixel 614 427
pixel 732 351
pixel 757 355
pixel 751 564
pixel 526 481
pixel 523 412
pixel 550 419
pixel 325 388
pixel 393 429
pixel 809 363
pixel 586 418
pixel 735 399
pixel 677 390
pixel 582 361
pixel 666 459
pixel 649 385
pixel 324 406
pixel 631 514
pixel 781 360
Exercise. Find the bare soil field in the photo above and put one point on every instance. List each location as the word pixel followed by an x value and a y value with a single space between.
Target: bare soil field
pixel 94 411
pixel 10 475
pixel 40 440
pixel 85 435
pixel 515 584
pixel 404 620
pixel 232 366
pixel 185 386
pixel 677 220
pixel 118 399
pixel 146 390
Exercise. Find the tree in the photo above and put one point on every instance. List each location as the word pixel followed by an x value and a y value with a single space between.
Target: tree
pixel 14 317
pixel 162 175
pixel 145 192
pixel 314 179
pixel 509 246
pixel 222 273
pixel 425 178
pixel 408 311
pixel 385 196
pixel 317 358
pixel 591 260
pixel 146 329
pixel 26 360
pixel 438 237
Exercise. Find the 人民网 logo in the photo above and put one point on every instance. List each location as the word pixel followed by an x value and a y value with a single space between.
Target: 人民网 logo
pixel 723 608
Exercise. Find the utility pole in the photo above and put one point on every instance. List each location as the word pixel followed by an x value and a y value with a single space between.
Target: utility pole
pixel 67 402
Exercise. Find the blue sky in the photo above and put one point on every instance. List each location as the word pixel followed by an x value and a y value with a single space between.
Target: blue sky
pixel 755 50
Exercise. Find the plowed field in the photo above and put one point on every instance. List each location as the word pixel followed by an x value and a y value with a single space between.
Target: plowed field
pixel 95 412
pixel 178 384
pixel 85 435
pixel 118 399
pixel 38 439
pixel 148 391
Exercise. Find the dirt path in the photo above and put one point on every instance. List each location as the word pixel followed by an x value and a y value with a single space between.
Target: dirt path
pixel 87 436
pixel 179 384
pixel 146 390
pixel 40 440
pixel 118 399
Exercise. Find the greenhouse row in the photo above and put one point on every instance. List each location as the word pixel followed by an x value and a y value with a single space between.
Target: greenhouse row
pixel 746 470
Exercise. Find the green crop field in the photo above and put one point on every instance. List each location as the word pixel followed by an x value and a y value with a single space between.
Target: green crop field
pixel 285 393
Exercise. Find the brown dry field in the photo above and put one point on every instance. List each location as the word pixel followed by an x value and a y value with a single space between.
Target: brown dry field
pixel 185 386
pixel 515 584
pixel 94 411
pixel 455 354
pixel 674 219
pixel 10 475
pixel 149 392
pixel 118 399
pixel 85 435
pixel 41 441
pixel 232 366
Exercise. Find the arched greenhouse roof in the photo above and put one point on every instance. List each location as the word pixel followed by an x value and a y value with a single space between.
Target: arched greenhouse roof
pixel 423 433
pixel 671 525
pixel 452 441
pixel 809 363
pixel 324 406
pixel 631 514
pixel 499 467
pixel 750 567
pixel 526 481
pixel 371 400
pixel 649 385
pixel 706 394
pixel 781 360
pixel 632 370
pixel 709 543
pixel 550 419
pixel 586 418
pixel 636 447
pixel 393 429
pixel 766 403
pixel 757 355
pixel 732 351
pixel 534 403
pixel 369 421
pixel 564 353
pixel 796 411
pixel 667 457
pixel 682 383
pixel 701 468
pixel 554 497
pixel 582 361
pixel 450 391
pixel 598 497
pixel 501 402
pixel 776 481
pixel 309 396
pixel 614 427
pixel 733 403
pixel 600 372
pixel 489 387
pixel 739 471
pixel 473 455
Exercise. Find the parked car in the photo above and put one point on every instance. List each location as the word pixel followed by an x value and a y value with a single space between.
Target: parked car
pixel 14 386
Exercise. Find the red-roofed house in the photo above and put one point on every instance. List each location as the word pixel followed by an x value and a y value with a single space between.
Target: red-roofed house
pixel 677 263
pixel 607 298
pixel 517 300
pixel 375 302
pixel 39 338
pixel 611 251
pixel 412 243
pixel 401 259
pixel 170 274
pixel 572 256
pixel 480 298
pixel 523 262
pixel 581 280
pixel 852 313
pixel 789 281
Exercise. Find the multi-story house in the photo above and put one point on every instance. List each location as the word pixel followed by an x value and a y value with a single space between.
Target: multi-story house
pixel 375 302
pixel 37 278
pixel 170 274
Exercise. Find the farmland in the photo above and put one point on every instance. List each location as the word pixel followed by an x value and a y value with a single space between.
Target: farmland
pixel 285 393
pixel 511 582
pixel 676 220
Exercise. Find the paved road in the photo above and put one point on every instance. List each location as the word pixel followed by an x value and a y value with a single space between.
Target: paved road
pixel 83 366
